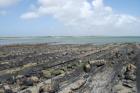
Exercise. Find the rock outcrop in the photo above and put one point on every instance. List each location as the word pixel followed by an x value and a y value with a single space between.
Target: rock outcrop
pixel 110 68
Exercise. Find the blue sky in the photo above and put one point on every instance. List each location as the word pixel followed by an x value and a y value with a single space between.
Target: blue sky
pixel 131 7
pixel 69 17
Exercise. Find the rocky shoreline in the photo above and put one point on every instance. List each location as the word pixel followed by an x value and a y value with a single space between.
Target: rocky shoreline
pixel 70 68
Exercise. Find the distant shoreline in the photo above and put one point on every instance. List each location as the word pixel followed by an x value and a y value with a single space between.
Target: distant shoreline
pixel 59 36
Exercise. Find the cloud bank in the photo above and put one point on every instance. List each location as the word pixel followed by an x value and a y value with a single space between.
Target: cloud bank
pixel 84 15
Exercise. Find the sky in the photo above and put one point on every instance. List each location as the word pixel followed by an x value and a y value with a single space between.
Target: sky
pixel 69 17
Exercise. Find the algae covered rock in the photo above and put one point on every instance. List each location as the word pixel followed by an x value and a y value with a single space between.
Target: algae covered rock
pixel 52 72
pixel 57 72
pixel 87 67
pixel 46 73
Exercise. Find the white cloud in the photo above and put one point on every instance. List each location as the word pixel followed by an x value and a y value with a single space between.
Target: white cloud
pixel 6 3
pixel 30 15
pixel 83 15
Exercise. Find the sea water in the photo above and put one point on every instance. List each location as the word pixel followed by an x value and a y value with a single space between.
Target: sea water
pixel 67 40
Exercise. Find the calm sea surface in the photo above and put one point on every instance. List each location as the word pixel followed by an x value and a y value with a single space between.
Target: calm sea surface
pixel 68 40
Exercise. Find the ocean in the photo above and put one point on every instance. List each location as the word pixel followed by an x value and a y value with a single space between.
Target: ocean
pixel 67 40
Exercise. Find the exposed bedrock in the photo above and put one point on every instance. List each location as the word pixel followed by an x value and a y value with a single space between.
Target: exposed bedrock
pixel 110 68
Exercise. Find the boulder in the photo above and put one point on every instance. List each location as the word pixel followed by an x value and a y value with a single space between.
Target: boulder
pixel 131 67
pixel 52 87
pixel 130 73
pixel 46 89
pixel 78 84
pixel 87 67
pixel 28 82
pixel 7 89
pixel 97 63
pixel 46 74
pixel 35 79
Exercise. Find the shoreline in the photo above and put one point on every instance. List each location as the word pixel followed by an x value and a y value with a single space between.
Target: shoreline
pixel 72 63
